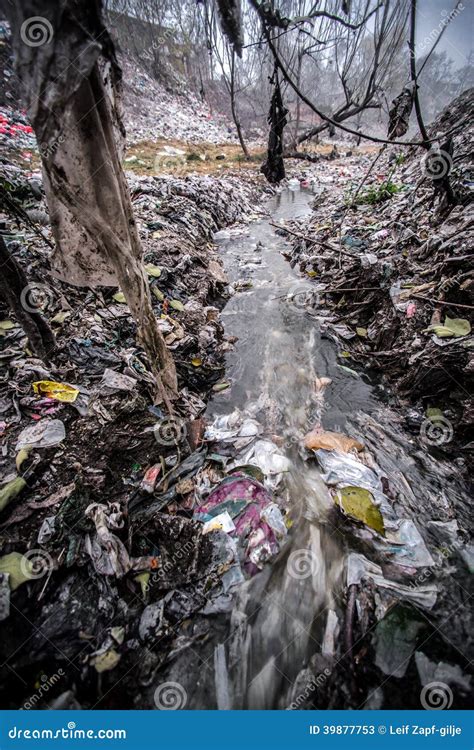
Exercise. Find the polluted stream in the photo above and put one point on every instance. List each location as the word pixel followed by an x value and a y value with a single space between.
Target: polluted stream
pixel 262 571
pixel 322 624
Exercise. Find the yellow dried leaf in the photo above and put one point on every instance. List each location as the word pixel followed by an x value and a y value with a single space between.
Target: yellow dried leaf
pixel 106 661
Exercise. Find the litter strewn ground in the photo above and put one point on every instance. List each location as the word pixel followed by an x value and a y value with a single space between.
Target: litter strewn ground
pixel 389 267
pixel 98 485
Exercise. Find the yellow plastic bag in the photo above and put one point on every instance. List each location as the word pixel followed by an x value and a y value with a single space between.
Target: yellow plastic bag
pixel 59 391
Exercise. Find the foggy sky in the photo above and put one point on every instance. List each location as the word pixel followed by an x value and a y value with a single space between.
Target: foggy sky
pixel 457 39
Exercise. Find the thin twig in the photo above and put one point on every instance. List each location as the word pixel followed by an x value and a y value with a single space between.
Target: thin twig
pixel 439 302
pixel 313 241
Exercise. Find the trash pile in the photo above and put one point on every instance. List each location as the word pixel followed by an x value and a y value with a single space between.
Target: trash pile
pixel 113 524
pixel 242 503
pixel 393 583
pixel 16 134
pixel 151 112
pixel 391 267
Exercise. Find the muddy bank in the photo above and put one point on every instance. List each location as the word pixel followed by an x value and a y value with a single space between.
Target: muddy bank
pixel 389 265
pixel 85 448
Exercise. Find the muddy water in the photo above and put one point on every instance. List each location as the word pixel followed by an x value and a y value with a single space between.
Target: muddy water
pixel 281 614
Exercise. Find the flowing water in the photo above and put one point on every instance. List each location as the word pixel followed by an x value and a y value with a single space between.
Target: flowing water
pixel 281 614
pixel 278 357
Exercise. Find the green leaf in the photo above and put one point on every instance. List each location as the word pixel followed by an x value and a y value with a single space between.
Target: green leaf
pixel 60 317
pixel 10 491
pixel 21 456
pixel 220 387
pixel 120 297
pixel 6 325
pixel 153 270
pixel 177 305
pixel 158 293
pixel 359 503
pixel 433 413
pixel 452 327
pixel 362 332
pixel 459 326
pixel 143 579
pixel 18 567
pixel 348 370
pixel 106 661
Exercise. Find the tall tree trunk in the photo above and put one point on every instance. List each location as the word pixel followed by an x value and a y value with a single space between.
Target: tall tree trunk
pixel 234 107
pixel 414 76
pixel 298 100
pixel 71 85
pixel 16 291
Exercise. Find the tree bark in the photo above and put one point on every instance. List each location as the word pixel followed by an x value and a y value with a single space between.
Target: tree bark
pixel 14 289
pixel 414 77
pixel 71 85
pixel 233 107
